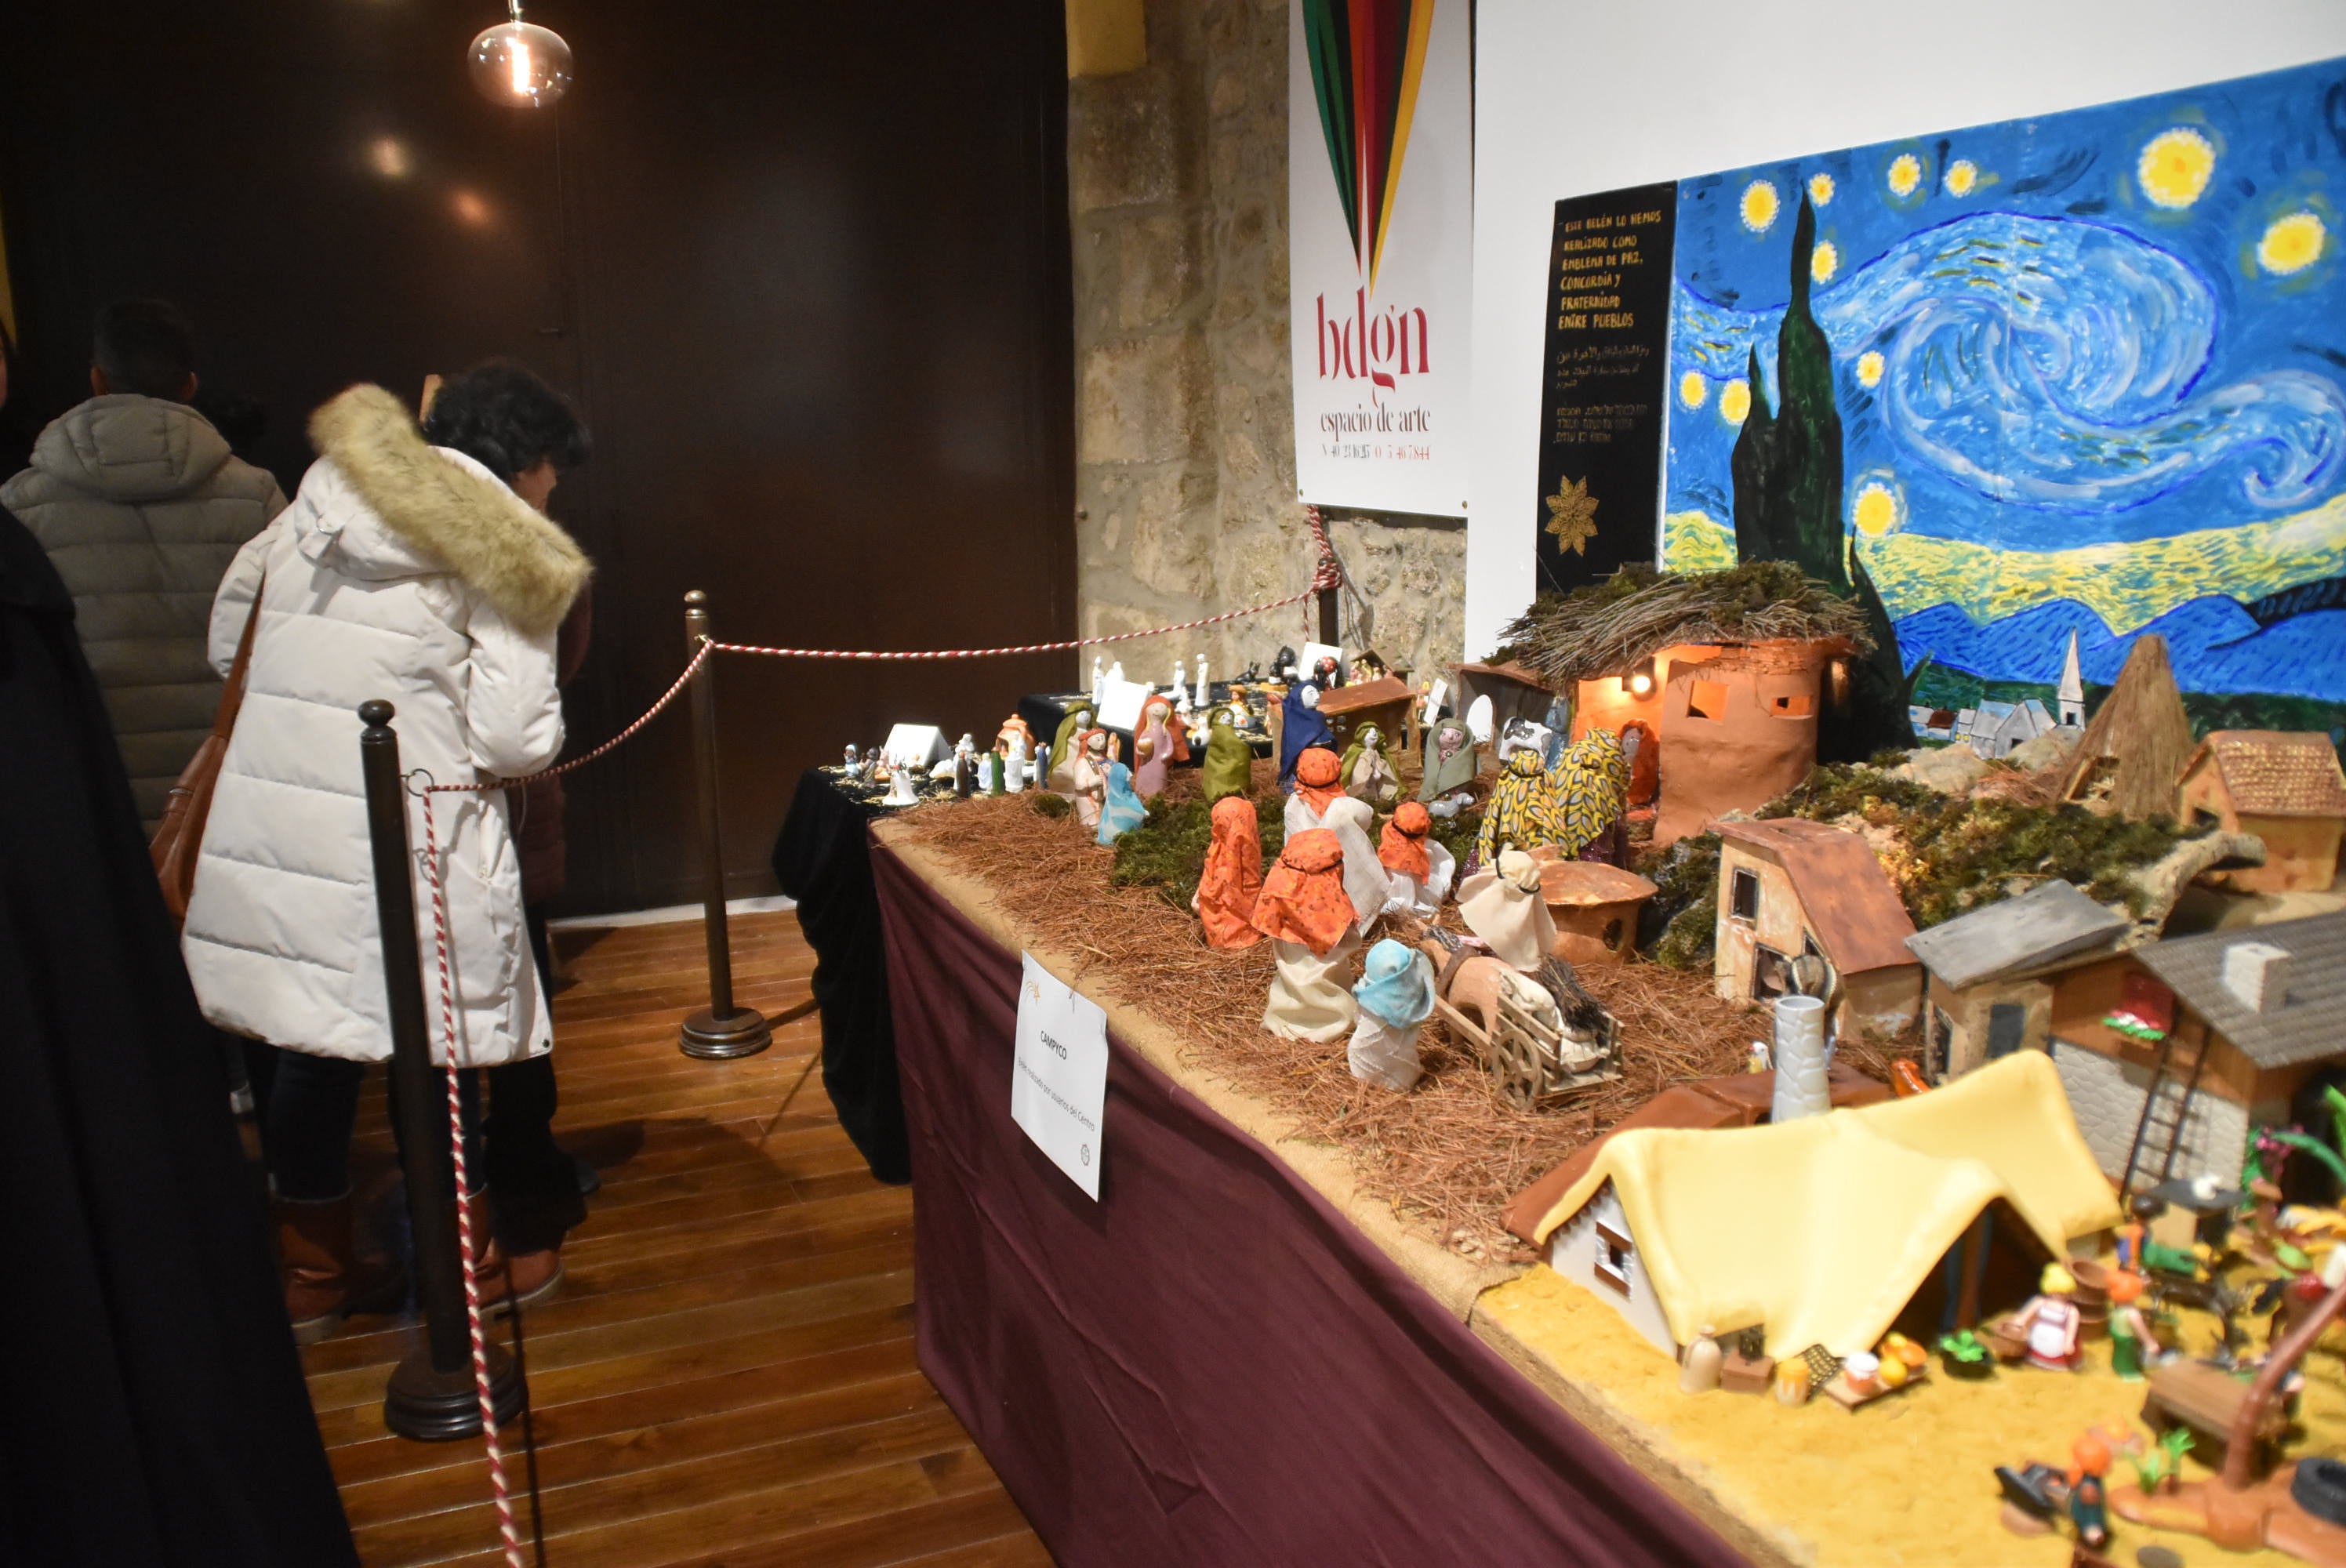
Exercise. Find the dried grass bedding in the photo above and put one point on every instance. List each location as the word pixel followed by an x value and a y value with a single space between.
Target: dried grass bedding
pixel 1448 1154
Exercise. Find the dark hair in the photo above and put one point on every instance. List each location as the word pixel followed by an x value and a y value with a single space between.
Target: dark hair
pixel 144 346
pixel 240 421
pixel 505 418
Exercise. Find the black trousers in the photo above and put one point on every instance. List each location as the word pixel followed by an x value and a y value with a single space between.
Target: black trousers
pixel 307 1107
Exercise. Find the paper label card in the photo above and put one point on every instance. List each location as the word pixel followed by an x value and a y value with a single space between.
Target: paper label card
pixel 1058 1075
pixel 1434 698
pixel 1119 704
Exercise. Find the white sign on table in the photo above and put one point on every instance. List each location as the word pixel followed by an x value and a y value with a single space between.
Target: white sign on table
pixel 1058 1075
pixel 1120 703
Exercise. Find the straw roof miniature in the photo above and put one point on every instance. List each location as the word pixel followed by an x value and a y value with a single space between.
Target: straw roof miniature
pixel 2138 741
pixel 1605 628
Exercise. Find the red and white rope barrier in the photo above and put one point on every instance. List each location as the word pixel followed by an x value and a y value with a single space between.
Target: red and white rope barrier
pixel 1326 573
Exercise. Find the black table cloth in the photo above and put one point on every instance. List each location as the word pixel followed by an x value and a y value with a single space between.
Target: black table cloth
pixel 823 859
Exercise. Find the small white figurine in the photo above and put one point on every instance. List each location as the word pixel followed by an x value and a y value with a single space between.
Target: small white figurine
pixel 903 788
pixel 1115 672
pixel 1181 676
pixel 1100 678
pixel 1204 695
pixel 1013 771
pixel 851 764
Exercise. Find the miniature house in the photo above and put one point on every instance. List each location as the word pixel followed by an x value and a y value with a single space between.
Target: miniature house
pixel 1790 888
pixel 1595 907
pixel 1994 730
pixel 1988 989
pixel 2286 788
pixel 1384 702
pixel 2223 1028
pixel 1861 1206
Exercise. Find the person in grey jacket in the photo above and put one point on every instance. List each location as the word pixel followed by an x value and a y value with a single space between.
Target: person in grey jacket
pixel 141 507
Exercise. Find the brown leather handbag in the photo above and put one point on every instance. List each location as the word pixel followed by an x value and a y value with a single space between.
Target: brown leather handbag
pixel 182 835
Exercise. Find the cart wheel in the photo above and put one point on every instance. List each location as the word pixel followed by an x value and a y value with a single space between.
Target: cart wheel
pixel 2319 1487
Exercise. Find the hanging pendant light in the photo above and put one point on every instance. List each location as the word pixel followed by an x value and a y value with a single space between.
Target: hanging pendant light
pixel 519 64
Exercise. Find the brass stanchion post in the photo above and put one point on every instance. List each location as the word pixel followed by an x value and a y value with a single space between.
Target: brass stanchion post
pixel 430 1397
pixel 722 1030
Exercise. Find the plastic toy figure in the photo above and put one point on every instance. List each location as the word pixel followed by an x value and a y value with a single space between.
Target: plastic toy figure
pixel 2133 1344
pixel 2049 1323
pixel 2088 1500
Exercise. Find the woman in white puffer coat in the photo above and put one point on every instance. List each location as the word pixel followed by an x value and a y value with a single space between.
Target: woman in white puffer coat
pixel 418 574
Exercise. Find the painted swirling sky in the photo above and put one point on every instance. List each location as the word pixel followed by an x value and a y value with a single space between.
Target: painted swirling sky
pixel 2112 334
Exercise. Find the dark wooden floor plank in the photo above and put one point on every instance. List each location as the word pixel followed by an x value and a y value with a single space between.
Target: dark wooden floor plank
pixel 728 1376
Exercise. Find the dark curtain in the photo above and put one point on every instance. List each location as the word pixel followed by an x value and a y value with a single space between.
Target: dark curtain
pixel 155 1411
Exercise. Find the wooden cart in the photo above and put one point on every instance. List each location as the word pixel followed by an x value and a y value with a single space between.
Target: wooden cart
pixel 1530 1056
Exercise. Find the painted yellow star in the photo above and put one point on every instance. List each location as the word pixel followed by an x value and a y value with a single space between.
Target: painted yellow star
pixel 1572 517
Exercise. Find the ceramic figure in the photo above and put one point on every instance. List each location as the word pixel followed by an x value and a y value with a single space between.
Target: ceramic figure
pixel 1014 764
pixel 1099 680
pixel 1316 787
pixel 1016 725
pixel 1116 672
pixel 1521 812
pixel 1201 697
pixel 1232 879
pixel 1302 727
pixel 1365 882
pixel 1590 783
pixel 1152 748
pixel 964 767
pixel 1304 911
pixel 1395 995
pixel 1450 766
pixel 1503 907
pixel 1229 760
pixel 904 787
pixel 851 764
pixel 1077 721
pixel 1120 809
pixel 1282 664
pixel 1327 674
pixel 1365 774
pixel 1418 869
pixel 1087 772
pixel 1180 675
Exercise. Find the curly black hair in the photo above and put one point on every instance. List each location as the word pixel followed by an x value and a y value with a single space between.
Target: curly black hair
pixel 505 417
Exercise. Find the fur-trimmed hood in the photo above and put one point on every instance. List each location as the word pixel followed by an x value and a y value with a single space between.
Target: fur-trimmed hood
pixel 447 508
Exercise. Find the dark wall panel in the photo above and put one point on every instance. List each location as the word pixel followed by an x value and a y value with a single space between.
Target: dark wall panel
pixel 803 266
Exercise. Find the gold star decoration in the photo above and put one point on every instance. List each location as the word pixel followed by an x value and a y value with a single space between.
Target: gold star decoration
pixel 1572 517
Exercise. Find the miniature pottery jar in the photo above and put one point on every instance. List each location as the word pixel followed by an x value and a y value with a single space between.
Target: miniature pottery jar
pixel 1791 1381
pixel 1698 1372
pixel 1863 1372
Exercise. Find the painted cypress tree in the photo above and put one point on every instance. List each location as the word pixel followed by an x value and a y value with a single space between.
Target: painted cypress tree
pixel 1787 472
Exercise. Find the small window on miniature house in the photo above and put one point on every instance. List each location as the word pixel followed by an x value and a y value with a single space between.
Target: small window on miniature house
pixel 2008 1024
pixel 1706 699
pixel 1792 705
pixel 1613 1251
pixel 1744 901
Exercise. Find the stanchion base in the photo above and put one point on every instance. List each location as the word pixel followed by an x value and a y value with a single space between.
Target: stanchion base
pixel 427 1406
pixel 739 1034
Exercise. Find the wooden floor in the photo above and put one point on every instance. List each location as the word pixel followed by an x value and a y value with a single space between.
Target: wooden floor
pixel 726 1377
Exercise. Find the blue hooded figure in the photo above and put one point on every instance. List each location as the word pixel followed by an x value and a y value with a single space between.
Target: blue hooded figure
pixel 1396 985
pixel 1300 729
pixel 1120 807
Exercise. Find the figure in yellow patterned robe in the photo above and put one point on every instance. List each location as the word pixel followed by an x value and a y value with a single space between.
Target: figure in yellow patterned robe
pixel 1590 786
pixel 1521 812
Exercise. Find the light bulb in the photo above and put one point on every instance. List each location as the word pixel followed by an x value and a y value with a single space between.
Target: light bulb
pixel 520 65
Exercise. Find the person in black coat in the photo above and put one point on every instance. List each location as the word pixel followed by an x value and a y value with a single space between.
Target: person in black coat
pixel 153 1398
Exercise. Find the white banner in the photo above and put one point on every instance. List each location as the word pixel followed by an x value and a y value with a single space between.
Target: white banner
pixel 1058 1076
pixel 1380 181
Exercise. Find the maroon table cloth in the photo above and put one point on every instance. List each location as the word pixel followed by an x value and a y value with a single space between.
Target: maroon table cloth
pixel 1210 1365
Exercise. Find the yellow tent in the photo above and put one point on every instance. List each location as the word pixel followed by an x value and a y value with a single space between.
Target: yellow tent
pixel 1822 1229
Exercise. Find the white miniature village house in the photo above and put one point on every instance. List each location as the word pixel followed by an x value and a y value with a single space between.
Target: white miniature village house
pixel 1790 889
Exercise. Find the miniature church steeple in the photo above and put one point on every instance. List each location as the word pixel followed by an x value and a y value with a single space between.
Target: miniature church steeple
pixel 2072 695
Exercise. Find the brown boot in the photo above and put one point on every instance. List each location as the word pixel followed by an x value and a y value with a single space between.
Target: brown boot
pixel 314 1244
pixel 529 1277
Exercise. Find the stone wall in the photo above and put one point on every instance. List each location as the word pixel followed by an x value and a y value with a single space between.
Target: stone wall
pixel 1185 478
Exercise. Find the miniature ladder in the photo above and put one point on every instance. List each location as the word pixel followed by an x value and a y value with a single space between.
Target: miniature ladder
pixel 2162 1077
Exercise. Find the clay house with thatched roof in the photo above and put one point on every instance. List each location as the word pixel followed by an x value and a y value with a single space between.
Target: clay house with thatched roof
pixel 1789 889
pixel 1728 672
pixel 2135 747
pixel 2286 788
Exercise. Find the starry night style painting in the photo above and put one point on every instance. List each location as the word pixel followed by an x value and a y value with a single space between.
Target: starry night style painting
pixel 2080 374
